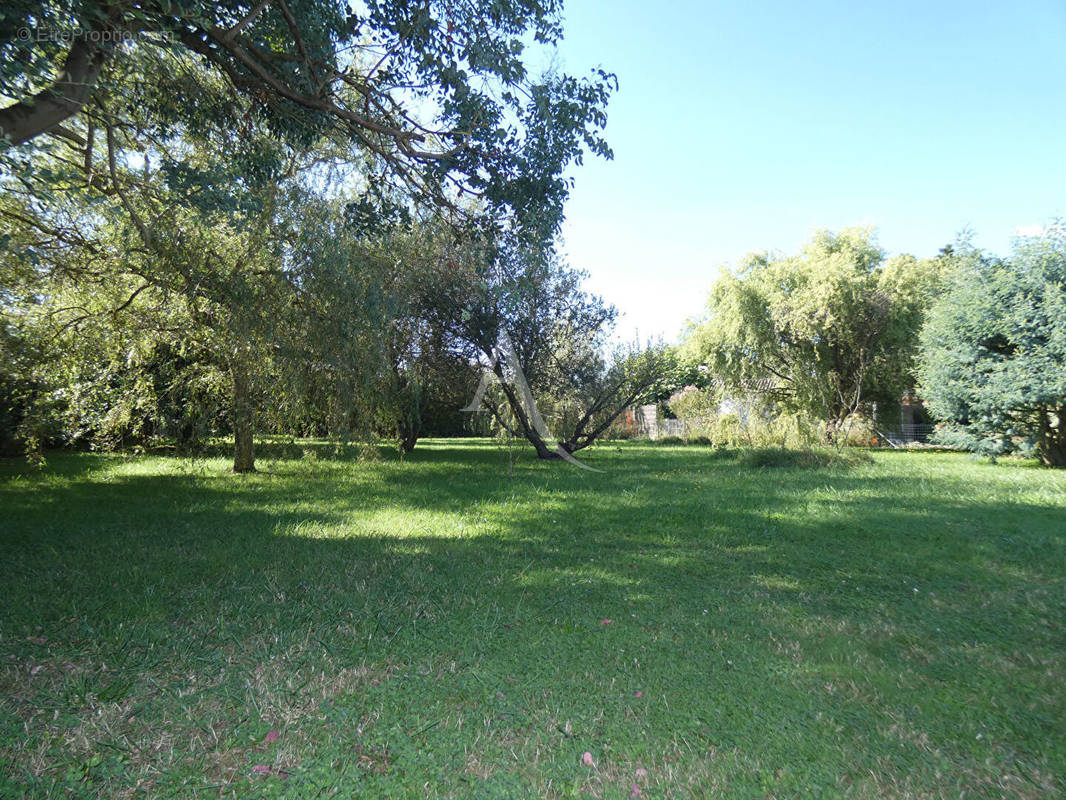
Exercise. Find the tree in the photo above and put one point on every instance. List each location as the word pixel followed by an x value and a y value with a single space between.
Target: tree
pixel 150 147
pixel 829 330
pixel 153 281
pixel 419 368
pixel 522 314
pixel 993 353
pixel 435 96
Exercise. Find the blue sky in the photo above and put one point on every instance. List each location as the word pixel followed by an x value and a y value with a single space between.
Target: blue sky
pixel 743 126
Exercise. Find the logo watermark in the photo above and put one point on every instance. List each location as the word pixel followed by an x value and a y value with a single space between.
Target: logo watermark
pixel 71 35
pixel 506 348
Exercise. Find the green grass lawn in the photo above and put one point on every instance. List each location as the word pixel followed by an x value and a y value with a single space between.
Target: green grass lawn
pixel 439 626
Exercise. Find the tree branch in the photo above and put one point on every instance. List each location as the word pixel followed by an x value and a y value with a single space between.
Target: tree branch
pixel 24 120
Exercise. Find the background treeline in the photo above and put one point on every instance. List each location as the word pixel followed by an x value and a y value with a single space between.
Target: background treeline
pixel 824 345
pixel 288 318
pixel 229 219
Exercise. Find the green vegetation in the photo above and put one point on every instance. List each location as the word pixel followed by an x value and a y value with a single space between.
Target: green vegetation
pixel 433 626
pixel 434 98
pixel 242 218
pixel 826 332
pixel 993 363
pixel 316 219
pixel 325 227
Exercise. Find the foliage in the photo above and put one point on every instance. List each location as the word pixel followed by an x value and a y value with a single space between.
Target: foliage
pixel 434 97
pixel 994 350
pixel 680 370
pixel 523 315
pixel 171 317
pixel 859 431
pixel 426 380
pixel 170 192
pixel 694 404
pixel 625 426
pixel 449 635
pixel 794 430
pixel 825 332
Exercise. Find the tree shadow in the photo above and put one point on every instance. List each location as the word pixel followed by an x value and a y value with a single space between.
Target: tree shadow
pixel 750 606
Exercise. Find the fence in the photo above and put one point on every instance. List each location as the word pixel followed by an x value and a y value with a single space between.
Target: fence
pixel 910 433
pixel 675 427
pixel 652 426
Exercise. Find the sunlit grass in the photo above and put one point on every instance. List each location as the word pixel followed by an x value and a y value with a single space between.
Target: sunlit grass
pixel 700 624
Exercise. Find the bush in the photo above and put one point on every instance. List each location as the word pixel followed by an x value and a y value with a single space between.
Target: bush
pixel 858 431
pixel 692 404
pixel 807 458
pixel 755 430
pixel 670 440
pixel 624 426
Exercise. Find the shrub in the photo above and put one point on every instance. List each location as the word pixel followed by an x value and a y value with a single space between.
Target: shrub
pixel 693 404
pixel 858 431
pixel 624 426
pixel 807 458
pixel 755 430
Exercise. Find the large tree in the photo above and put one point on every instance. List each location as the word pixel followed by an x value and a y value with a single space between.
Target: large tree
pixel 418 367
pixel 153 147
pixel 435 96
pixel 993 356
pixel 830 329
pixel 233 290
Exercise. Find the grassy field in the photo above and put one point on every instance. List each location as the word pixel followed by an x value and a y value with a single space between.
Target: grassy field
pixel 441 626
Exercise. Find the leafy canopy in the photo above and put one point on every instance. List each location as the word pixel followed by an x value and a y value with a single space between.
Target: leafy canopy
pixel 436 97
pixel 993 354
pixel 824 331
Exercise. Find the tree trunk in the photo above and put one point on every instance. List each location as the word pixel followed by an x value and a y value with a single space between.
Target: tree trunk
pixel 543 451
pixel 24 120
pixel 187 438
pixel 1055 455
pixel 1052 444
pixel 243 446
pixel 409 424
pixel 408 436
pixel 832 429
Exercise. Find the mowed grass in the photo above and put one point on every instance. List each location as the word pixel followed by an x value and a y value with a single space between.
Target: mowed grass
pixel 442 627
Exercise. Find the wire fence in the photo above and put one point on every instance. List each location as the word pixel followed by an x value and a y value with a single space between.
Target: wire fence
pixel 910 433
pixel 650 424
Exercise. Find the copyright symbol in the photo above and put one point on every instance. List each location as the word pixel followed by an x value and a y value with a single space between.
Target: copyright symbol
pixel 24 34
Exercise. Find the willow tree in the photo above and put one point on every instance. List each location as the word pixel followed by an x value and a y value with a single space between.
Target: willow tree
pixel 831 329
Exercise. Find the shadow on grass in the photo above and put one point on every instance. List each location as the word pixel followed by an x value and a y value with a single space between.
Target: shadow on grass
pixel 812 622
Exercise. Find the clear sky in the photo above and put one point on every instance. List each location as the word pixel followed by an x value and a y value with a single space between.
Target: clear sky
pixel 743 126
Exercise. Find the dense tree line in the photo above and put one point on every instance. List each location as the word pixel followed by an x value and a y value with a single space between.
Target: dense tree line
pixel 289 216
pixel 305 217
pixel 839 331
